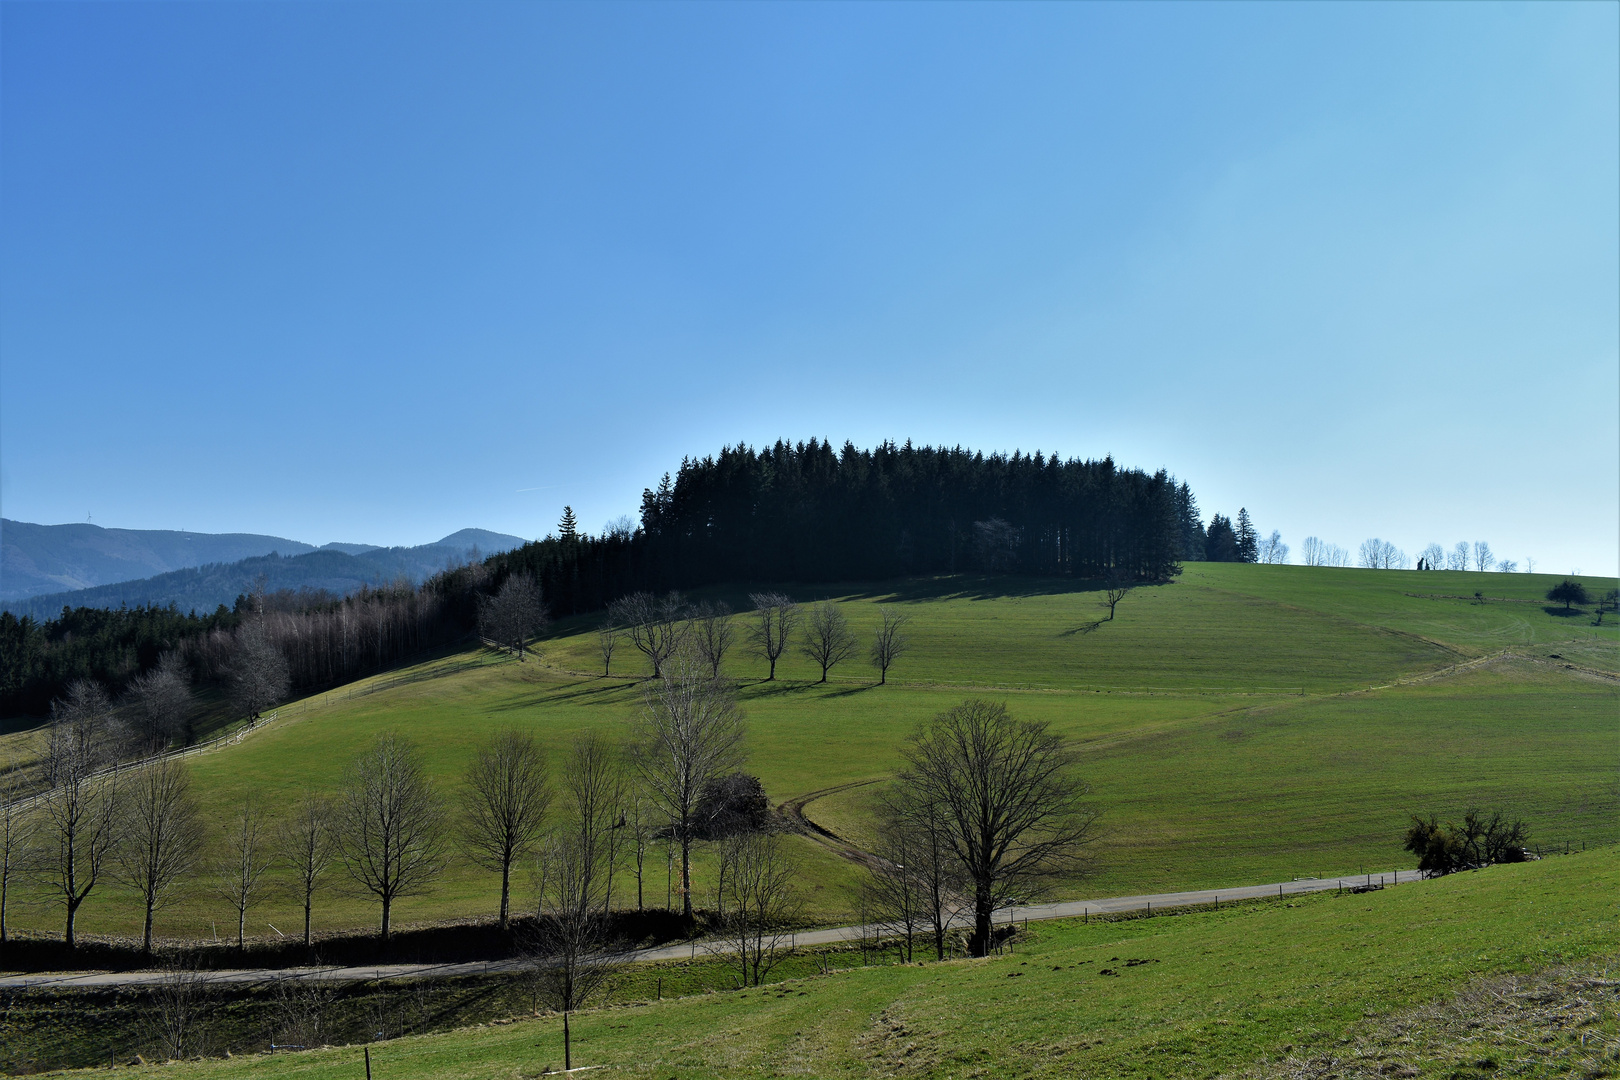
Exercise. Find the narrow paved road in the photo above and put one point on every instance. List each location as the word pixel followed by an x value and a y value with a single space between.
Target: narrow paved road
pixel 685 950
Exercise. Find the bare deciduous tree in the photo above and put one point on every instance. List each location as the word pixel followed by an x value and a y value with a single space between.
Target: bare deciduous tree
pixel 242 869
pixel 1457 558
pixel 179 1003
pixel 79 817
pixel 160 701
pixel 1376 554
pixel 1115 590
pixel 1272 550
pixel 711 633
pixel 1434 557
pixel 775 615
pixel 828 638
pixel 257 677
pixel 504 801
pixel 757 898
pixel 654 625
pixel 593 789
pixel 643 825
pixel 17 827
pixel 689 734
pixel 893 897
pixel 890 642
pixel 1483 558
pixel 912 845
pixel 608 634
pixel 390 824
pixel 1009 803
pixel 162 835
pixel 307 842
pixel 572 955
pixel 513 614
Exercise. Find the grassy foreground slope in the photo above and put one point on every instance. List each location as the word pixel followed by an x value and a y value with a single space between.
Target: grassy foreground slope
pixel 1197 995
pixel 1243 723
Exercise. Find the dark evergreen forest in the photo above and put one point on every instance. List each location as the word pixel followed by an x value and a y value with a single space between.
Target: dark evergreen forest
pixel 803 513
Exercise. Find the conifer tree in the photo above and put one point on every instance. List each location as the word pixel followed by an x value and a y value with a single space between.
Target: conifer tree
pixel 1248 541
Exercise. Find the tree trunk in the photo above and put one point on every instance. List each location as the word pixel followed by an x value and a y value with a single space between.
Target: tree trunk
pixel 983 917
pixel 506 891
pixel 387 903
pixel 772 676
pixel 241 928
pixel 146 935
pixel 686 875
pixel 72 914
pixel 306 920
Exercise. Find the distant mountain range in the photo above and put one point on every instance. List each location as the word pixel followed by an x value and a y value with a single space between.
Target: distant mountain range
pixel 46 567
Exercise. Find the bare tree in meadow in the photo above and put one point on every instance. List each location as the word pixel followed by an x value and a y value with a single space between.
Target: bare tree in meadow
pixel 1010 804
pixel 18 824
pixel 504 802
pixel 711 633
pixel 242 869
pixel 642 822
pixel 1483 558
pixel 162 837
pixel 916 865
pixel 608 636
pixel 758 901
pixel 891 641
pixel 653 623
pixel 513 614
pixel 1114 590
pixel 689 734
pixel 390 824
pixel 593 796
pixel 1272 551
pixel 828 638
pixel 79 817
pixel 572 955
pixel 1457 558
pixel 775 615
pixel 306 841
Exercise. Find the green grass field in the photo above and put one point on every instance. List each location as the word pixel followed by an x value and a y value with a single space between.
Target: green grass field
pixel 1197 995
pixel 1241 724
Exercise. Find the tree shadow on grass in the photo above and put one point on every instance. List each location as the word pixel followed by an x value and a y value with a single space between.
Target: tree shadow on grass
pixel 589 695
pixel 764 688
pixel 1085 628
pixel 848 690
pixel 1563 613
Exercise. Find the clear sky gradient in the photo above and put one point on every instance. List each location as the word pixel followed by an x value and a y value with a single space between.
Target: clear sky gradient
pixel 376 272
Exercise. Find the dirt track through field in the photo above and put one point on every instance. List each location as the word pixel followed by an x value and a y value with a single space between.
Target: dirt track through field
pixel 791 814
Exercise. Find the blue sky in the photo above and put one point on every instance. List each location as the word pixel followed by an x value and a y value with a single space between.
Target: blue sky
pixel 376 272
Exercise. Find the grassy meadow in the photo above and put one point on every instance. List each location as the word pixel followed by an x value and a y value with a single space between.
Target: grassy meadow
pixel 1240 724
pixel 1202 994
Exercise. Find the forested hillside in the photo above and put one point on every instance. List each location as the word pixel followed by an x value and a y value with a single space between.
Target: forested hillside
pixel 789 514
